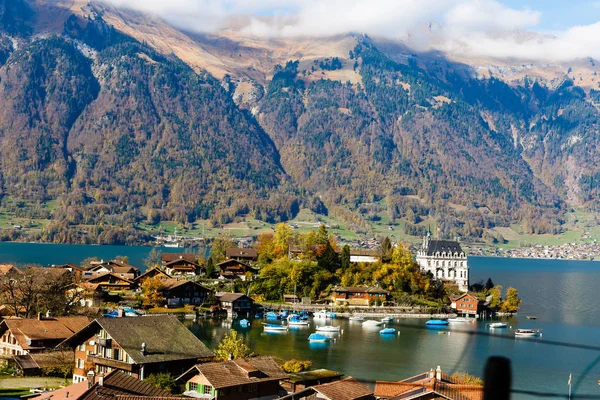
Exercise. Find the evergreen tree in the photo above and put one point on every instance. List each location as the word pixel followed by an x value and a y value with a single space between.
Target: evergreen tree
pixel 489 284
pixel 386 250
pixel 328 259
pixel 210 268
pixel 345 257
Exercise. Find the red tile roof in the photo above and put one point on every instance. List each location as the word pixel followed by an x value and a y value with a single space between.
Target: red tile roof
pixel 345 389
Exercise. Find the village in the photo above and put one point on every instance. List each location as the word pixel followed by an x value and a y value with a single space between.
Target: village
pixel 111 330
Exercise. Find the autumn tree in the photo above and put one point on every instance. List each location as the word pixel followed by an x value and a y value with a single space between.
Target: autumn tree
pixel 496 293
pixel 58 362
pixel 163 380
pixel 152 291
pixel 232 346
pixel 512 302
pixel 219 246
pixel 282 239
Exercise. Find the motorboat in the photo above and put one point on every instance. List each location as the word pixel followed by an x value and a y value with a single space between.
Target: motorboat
pixel 387 331
pixel 371 322
pixel 496 325
pixel 531 317
pixel 527 332
pixel 295 320
pixel 272 315
pixel 437 322
pixel 244 323
pixel 275 328
pixel 387 320
pixel 356 318
pixel 317 337
pixel 328 328
pixel 460 320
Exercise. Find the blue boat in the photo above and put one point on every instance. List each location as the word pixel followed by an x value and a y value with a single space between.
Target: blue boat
pixel 387 331
pixel 317 337
pixel 244 323
pixel 284 314
pixel 272 315
pixel 258 315
pixel 437 322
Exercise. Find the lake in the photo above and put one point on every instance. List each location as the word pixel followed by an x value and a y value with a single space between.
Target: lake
pixel 562 294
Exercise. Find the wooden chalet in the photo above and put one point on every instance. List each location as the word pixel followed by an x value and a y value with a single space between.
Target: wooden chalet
pixel 428 385
pixel 235 303
pixel 241 379
pixel 248 256
pixel 181 267
pixel 152 273
pixel 115 385
pixel 181 292
pixel 344 389
pixel 465 304
pixel 358 296
pixel 139 346
pixel 75 269
pixel 36 335
pixel 109 281
pixel 88 294
pixel 233 269
pixel 113 266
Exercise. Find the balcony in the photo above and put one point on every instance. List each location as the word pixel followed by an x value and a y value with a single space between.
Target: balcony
pixel 109 362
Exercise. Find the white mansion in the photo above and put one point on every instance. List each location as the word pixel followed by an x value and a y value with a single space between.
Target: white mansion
pixel 445 260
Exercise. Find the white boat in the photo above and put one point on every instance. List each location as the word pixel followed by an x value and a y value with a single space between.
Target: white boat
pixel 275 328
pixel 171 245
pixel 328 328
pixel 371 322
pixel 527 332
pixel 460 320
pixel 324 314
pixel 297 322
pixel 387 320
pixel 317 337
pixel 495 325
pixel 356 318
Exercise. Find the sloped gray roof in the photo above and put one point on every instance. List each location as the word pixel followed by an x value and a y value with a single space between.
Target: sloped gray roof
pixel 447 246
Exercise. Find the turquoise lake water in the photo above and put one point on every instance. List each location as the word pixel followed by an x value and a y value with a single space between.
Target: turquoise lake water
pixel 562 294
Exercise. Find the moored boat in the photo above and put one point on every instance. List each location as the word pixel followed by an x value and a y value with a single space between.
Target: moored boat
pixel 317 337
pixel 387 331
pixel 460 320
pixel 296 321
pixel 387 320
pixel 527 332
pixel 495 325
pixel 437 322
pixel 244 323
pixel 272 315
pixel 328 328
pixel 531 317
pixel 371 322
pixel 275 328
pixel 356 318
pixel 325 314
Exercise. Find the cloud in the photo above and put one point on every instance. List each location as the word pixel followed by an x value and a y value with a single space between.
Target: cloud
pixel 469 27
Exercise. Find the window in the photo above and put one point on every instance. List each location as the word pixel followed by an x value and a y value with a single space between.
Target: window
pixel 207 389
pixel 252 388
pixel 82 347
pixel 193 386
pixel 80 363
pixel 117 354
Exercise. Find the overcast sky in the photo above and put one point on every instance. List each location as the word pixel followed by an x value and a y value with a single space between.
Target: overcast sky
pixel 565 29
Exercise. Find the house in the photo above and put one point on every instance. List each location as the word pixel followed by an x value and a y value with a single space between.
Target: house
pixel 445 260
pixel 301 380
pixel 169 257
pixel 35 364
pixel 246 255
pixel 358 296
pixel 139 346
pixel 181 267
pixel 115 385
pixel 113 266
pixel 152 273
pixel 428 385
pixel 235 303
pixel 109 281
pixel 88 294
pixel 466 304
pixel 290 299
pixel 75 269
pixel 241 379
pixel 232 269
pixel 35 335
pixel 364 256
pixel 345 389
pixel 9 270
pixel 181 292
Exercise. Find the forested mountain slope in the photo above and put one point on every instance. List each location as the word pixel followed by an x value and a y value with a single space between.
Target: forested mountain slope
pixel 116 131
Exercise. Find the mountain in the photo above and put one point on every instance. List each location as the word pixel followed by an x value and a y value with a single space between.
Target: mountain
pixel 121 119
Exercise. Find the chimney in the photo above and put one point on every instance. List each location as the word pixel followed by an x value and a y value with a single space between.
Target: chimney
pixel 438 373
pixel 144 349
pixel 431 374
pixel 91 378
pixel 100 379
